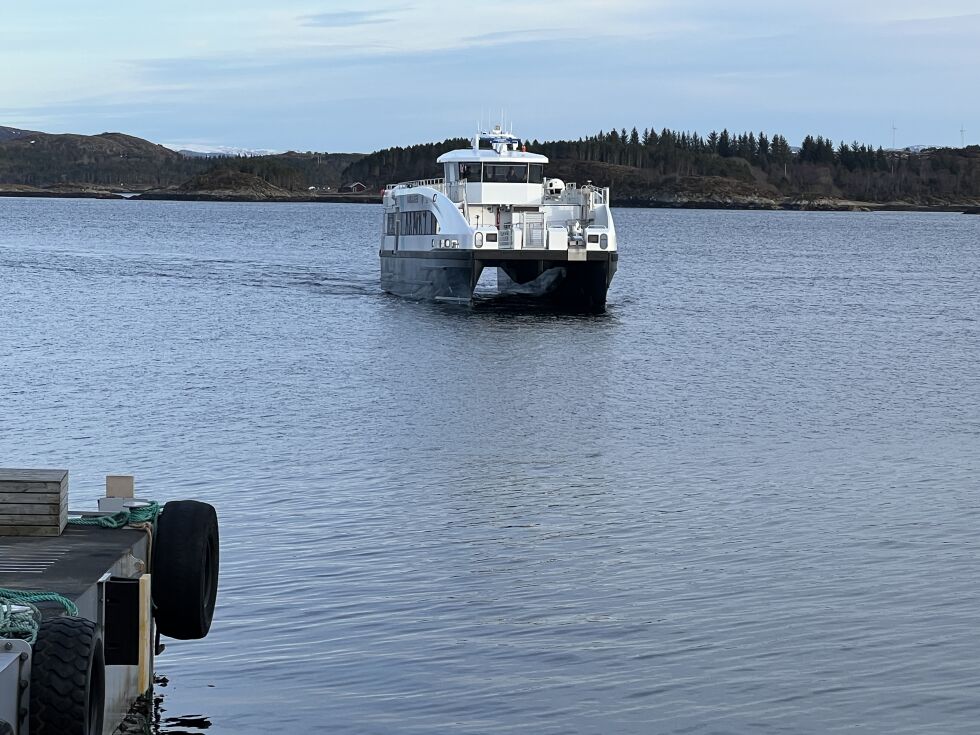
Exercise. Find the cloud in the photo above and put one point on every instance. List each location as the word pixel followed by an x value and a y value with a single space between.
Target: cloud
pixel 508 36
pixel 284 79
pixel 347 18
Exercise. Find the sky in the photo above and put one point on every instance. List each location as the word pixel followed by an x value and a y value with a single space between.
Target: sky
pixel 344 77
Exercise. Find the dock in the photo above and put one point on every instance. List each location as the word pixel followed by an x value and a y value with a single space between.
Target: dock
pixel 93 591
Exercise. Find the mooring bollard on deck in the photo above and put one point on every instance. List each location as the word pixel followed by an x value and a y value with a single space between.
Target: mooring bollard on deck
pixel 91 592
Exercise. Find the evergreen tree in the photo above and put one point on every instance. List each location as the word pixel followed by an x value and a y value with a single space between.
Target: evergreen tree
pixel 724 144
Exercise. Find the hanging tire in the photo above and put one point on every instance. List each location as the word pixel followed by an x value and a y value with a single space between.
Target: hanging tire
pixel 185 569
pixel 67 679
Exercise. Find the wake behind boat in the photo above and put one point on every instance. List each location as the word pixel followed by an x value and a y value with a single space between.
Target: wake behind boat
pixel 494 208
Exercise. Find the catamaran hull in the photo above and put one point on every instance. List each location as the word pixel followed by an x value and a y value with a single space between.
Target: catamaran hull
pixel 573 281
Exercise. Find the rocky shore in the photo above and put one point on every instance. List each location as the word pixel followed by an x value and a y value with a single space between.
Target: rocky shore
pixel 822 204
pixel 702 193
pixel 236 186
pixel 62 192
pixel 712 192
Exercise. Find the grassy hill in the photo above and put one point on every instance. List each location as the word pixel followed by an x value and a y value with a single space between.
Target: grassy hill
pixel 124 162
pixel 108 160
pixel 11 133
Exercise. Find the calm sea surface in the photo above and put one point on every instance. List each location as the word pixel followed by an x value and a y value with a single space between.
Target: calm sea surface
pixel 745 500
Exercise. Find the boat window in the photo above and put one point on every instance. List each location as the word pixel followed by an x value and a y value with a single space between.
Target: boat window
pixel 491 237
pixel 593 238
pixel 536 174
pixel 515 173
pixel 469 171
pixel 391 224
pixel 419 223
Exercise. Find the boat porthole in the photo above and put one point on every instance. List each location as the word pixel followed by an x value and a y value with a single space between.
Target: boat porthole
pixel 478 240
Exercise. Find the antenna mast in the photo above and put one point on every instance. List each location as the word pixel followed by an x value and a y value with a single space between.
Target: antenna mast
pixel 894 130
pixel 962 136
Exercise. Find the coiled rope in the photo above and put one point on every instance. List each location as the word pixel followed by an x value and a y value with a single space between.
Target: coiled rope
pixel 19 615
pixel 124 517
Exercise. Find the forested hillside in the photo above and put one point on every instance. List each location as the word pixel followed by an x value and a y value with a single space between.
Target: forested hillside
pixel 667 167
pixel 293 171
pixel 642 165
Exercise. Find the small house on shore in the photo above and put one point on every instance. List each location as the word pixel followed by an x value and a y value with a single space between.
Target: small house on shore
pixel 356 188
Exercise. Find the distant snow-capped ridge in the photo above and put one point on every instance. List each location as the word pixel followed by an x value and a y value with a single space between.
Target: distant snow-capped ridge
pixel 194 150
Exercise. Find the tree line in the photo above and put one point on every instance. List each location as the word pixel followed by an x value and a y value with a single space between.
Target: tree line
pixel 634 162
pixel 818 167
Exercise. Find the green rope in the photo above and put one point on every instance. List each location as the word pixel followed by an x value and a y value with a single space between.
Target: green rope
pixel 24 623
pixel 21 623
pixel 124 517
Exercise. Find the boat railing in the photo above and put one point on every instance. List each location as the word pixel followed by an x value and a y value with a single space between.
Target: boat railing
pixel 454 190
pixel 433 183
pixel 574 193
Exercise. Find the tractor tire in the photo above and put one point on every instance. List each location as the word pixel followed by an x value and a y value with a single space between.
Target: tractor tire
pixel 67 679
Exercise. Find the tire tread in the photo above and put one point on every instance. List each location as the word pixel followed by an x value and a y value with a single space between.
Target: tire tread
pixel 60 665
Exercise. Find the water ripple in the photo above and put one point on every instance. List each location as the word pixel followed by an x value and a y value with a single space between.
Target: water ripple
pixel 741 501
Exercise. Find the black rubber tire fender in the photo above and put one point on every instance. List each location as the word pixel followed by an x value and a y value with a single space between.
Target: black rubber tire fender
pixel 185 569
pixel 67 678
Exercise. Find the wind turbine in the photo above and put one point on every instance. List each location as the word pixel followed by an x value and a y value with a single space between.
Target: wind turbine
pixel 894 130
pixel 962 136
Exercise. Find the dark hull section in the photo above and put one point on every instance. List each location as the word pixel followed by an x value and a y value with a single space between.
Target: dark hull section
pixel 428 277
pixel 548 277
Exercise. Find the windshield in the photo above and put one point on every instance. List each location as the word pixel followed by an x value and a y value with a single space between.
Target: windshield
pixel 512 173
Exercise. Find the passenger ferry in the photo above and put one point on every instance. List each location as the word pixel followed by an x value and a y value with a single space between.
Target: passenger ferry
pixel 494 208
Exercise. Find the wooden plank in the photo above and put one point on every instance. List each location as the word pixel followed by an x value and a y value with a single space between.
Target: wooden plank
pixel 15 486
pixel 145 667
pixel 6 497
pixel 32 475
pixel 33 499
pixel 12 509
pixel 29 519
pixel 44 498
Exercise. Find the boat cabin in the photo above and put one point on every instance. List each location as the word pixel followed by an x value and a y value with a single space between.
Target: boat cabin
pixel 497 170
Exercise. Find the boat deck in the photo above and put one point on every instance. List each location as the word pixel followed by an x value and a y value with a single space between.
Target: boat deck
pixel 70 564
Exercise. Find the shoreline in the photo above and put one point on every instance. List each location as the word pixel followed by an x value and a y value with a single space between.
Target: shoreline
pixel 790 205
pixel 152 195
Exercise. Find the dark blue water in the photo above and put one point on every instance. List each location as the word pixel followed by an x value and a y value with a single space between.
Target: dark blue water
pixel 746 499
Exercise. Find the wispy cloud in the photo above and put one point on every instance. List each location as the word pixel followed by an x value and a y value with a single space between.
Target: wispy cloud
pixel 287 75
pixel 508 36
pixel 348 18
